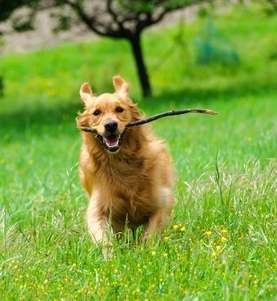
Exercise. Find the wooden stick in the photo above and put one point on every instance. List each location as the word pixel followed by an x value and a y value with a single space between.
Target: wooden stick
pixel 158 116
pixel 170 113
pixel 86 129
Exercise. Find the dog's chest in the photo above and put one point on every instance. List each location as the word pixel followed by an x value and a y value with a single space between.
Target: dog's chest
pixel 129 193
pixel 134 208
pixel 123 173
pixel 130 197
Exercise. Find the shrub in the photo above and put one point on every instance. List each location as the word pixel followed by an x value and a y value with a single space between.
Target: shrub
pixel 212 48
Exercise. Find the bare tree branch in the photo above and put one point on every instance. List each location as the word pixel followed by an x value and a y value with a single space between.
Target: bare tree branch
pixel 93 23
pixel 151 20
pixel 116 18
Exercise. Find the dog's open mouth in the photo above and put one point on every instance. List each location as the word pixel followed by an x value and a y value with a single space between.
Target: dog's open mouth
pixel 111 142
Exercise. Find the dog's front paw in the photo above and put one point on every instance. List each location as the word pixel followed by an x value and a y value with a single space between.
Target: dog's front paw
pixel 107 250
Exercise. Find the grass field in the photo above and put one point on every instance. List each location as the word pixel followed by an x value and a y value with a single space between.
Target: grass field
pixel 221 244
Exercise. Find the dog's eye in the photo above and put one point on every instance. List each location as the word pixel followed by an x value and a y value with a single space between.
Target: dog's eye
pixel 119 109
pixel 96 112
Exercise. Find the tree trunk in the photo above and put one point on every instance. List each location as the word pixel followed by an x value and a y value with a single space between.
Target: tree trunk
pixel 1 86
pixel 141 67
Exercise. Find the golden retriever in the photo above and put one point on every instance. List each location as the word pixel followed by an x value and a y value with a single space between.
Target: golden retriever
pixel 126 172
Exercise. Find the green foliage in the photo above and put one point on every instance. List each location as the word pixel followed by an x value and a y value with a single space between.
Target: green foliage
pixel 7 7
pixel 64 23
pixel 23 24
pixel 221 244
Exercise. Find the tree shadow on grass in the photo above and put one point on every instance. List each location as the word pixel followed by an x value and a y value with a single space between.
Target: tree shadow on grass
pixel 38 121
pixel 209 95
pixel 36 117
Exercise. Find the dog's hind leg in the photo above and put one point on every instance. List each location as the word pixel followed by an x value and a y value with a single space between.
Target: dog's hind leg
pixel 156 223
pixel 160 218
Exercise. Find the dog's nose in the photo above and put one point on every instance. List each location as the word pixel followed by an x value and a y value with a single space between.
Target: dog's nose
pixel 111 126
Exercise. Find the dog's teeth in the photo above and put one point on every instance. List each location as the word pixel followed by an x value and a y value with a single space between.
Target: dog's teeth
pixel 111 142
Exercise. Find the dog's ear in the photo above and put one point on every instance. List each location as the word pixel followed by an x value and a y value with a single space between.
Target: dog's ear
pixel 121 86
pixel 85 92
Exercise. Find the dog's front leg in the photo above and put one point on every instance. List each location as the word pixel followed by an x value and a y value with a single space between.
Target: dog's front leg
pixel 98 227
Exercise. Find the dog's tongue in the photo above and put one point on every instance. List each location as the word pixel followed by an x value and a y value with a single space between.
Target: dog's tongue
pixel 111 141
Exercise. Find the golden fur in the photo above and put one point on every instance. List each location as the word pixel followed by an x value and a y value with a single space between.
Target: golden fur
pixel 132 185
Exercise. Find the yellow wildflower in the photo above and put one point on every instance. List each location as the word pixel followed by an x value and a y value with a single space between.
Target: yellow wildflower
pixel 175 227
pixel 218 248
pixel 208 233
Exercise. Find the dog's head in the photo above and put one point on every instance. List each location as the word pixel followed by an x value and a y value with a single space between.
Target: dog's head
pixel 108 114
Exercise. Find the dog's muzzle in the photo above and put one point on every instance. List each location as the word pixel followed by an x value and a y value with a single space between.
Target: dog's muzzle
pixel 111 138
